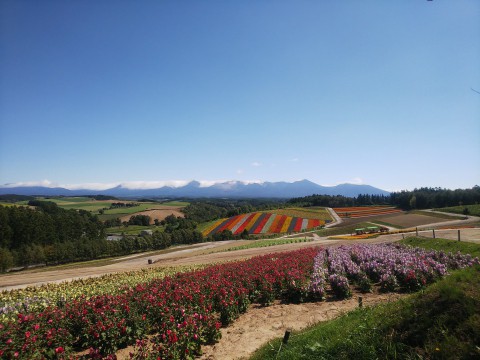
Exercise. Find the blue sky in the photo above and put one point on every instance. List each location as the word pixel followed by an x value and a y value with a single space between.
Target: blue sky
pixel 375 92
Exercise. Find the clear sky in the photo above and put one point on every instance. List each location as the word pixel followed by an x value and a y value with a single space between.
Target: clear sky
pixel 375 92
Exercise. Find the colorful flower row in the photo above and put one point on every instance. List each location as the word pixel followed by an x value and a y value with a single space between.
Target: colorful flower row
pixel 38 298
pixel 365 211
pixel 263 223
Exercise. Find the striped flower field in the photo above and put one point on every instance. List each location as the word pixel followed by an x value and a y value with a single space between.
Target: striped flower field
pixel 365 211
pixel 263 223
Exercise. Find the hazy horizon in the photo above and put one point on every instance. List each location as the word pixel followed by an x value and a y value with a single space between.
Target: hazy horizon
pixel 145 185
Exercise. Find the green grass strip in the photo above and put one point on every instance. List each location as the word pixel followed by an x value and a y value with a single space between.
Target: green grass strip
pixel 266 243
pixel 443 245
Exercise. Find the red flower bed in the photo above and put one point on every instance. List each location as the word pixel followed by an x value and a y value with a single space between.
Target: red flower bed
pixel 183 311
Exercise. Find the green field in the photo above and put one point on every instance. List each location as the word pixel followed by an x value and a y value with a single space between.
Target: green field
pixel 441 322
pixel 134 209
pixel 131 229
pixel 266 243
pixel 472 209
pixel 60 200
pixel 444 245
pixel 7 204
pixel 341 230
pixel 176 203
pixel 92 205
pixel 203 226
pixel 88 206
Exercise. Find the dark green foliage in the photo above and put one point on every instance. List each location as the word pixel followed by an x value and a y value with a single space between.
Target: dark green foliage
pixel 142 220
pixel 48 234
pixel 119 205
pixel 102 197
pixel 13 198
pixel 339 200
pixel 112 222
pixel 423 198
pixel 48 207
pixel 427 198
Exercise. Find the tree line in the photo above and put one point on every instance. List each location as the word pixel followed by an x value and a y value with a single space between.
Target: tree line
pixel 423 198
pixel 47 234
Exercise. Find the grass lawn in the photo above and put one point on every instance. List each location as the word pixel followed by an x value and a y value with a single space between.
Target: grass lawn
pixel 472 209
pixel 134 209
pixel 432 214
pixel 60 200
pixel 266 243
pixel 131 229
pixel 442 322
pixel 340 230
pixel 443 245
pixel 389 224
pixel 176 203
pixel 88 206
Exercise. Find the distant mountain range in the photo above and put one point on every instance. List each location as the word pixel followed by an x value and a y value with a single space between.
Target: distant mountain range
pixel 194 189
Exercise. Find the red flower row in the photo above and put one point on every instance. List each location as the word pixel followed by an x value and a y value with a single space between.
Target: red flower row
pixel 184 311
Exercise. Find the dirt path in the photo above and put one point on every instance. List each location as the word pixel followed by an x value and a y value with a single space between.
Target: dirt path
pixel 337 220
pixel 204 253
pixel 260 325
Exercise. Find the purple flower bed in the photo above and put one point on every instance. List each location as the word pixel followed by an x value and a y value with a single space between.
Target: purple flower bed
pixel 392 267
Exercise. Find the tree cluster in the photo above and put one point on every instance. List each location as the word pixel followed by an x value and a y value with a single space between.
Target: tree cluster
pixel 120 205
pixel 47 234
pixel 427 198
pixel 142 220
pixel 13 198
pixel 102 197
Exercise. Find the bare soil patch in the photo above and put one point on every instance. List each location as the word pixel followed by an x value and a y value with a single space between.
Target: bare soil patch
pixel 156 214
pixel 411 220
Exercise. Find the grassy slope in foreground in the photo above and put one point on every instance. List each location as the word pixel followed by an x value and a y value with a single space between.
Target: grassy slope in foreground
pixel 442 322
